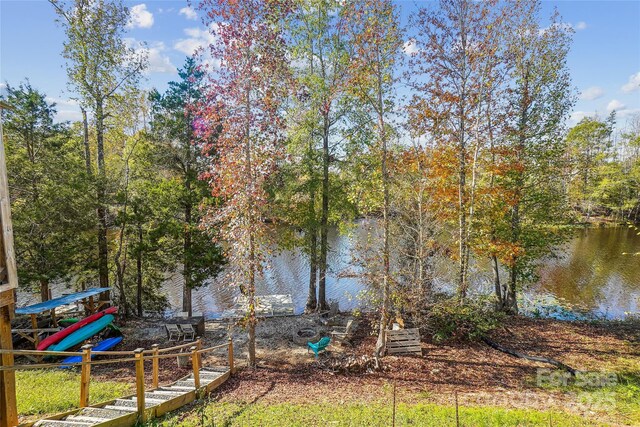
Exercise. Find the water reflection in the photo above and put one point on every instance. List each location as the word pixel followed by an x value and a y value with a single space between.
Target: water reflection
pixel 596 272
pixel 592 274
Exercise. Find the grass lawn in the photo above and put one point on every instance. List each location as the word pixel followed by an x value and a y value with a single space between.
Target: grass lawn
pixel 363 414
pixel 41 392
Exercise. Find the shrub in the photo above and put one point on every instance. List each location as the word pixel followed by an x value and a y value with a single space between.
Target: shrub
pixel 452 320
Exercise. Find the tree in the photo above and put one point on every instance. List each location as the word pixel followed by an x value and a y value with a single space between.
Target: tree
pixel 100 67
pixel 589 143
pixel 179 153
pixel 318 49
pixel 452 74
pixel 540 100
pixel 244 109
pixel 48 188
pixel 375 43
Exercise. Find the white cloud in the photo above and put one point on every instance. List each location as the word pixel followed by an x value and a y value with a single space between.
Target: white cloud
pixel 565 26
pixel 197 38
pixel 616 105
pixel 576 116
pixel 633 83
pixel 591 93
pixel 67 109
pixel 3 90
pixel 188 13
pixel 580 26
pixel 627 113
pixel 409 47
pixel 158 61
pixel 140 17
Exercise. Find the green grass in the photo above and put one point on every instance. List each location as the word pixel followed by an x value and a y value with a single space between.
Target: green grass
pixel 41 392
pixel 354 414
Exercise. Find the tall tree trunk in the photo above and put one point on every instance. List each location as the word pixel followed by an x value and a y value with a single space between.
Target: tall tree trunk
pixel 386 273
pixel 186 257
pixel 87 148
pixel 324 217
pixel 462 163
pixel 139 272
pixel 496 281
pixel 44 290
pixel 103 250
pixel 312 230
pixel 312 300
pixel 251 289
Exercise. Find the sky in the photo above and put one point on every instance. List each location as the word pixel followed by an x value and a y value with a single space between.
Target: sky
pixel 604 60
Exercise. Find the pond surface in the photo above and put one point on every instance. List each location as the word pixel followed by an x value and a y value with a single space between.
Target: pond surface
pixel 594 274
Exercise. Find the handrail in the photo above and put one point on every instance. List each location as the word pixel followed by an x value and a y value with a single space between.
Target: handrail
pixel 209 349
pixel 177 347
pixel 140 356
pixel 40 352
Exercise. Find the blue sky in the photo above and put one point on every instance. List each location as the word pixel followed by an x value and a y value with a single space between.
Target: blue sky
pixel 604 59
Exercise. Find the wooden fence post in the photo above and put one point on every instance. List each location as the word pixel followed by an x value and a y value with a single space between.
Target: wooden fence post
pixel 199 347
pixel 156 365
pixel 196 366
pixel 142 418
pixel 34 326
pixel 231 370
pixel 85 375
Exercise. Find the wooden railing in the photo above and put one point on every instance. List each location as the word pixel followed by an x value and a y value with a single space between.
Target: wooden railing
pixel 139 356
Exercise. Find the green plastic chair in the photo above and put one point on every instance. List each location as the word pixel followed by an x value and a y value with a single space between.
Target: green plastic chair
pixel 319 346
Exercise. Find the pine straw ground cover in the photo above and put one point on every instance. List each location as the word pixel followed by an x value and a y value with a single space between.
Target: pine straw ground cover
pixel 493 388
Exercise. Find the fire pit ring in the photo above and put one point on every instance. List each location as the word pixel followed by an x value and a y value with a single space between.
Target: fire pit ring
pixel 305 334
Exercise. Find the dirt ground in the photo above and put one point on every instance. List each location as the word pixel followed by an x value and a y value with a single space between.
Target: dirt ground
pixel 477 373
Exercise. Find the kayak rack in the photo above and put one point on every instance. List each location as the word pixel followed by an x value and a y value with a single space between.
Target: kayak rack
pixel 144 404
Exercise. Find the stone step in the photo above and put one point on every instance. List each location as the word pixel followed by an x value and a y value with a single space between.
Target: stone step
pixel 84 419
pixel 102 413
pixel 171 393
pixel 156 398
pixel 61 423
pixel 179 389
pixel 125 402
pixel 185 383
pixel 149 401
pixel 133 408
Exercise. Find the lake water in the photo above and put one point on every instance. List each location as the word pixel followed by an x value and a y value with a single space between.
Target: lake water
pixel 595 274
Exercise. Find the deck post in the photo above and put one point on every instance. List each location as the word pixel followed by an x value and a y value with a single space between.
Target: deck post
pixel 8 409
pixel 85 375
pixel 196 366
pixel 156 365
pixel 142 418
pixel 8 282
pixel 231 355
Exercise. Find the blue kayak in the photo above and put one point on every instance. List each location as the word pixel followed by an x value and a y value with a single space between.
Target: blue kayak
pixel 83 333
pixel 101 346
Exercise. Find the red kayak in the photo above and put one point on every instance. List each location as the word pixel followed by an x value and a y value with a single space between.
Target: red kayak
pixel 58 336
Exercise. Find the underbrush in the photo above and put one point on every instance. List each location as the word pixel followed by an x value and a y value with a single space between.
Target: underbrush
pixel 452 320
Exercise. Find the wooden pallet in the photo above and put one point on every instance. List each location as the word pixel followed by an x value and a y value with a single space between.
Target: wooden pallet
pixel 123 412
pixel 404 341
